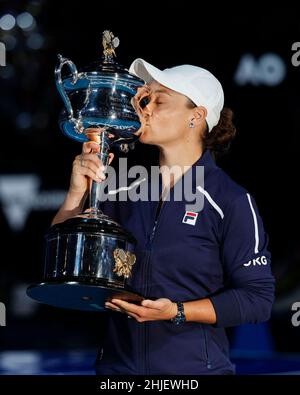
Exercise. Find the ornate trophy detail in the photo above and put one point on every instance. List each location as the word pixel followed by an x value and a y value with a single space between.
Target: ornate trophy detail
pixel 109 42
pixel 89 257
pixel 124 262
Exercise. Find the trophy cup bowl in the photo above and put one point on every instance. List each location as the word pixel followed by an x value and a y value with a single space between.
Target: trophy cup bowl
pixel 89 257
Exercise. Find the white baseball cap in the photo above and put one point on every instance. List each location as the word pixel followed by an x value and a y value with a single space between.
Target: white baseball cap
pixel 198 84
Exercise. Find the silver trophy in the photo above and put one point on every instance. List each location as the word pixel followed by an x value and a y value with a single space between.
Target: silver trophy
pixel 90 257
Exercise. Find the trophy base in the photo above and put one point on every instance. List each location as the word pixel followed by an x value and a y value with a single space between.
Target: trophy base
pixel 78 295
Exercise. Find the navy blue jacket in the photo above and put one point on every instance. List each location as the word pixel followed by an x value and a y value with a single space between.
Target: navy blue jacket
pixel 222 255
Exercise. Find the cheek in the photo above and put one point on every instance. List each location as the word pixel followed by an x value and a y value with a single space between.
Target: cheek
pixel 165 115
pixel 174 120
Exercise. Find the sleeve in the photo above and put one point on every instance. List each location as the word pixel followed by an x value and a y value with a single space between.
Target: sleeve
pixel 248 293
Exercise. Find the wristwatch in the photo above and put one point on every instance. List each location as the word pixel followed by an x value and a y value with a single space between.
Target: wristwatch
pixel 180 316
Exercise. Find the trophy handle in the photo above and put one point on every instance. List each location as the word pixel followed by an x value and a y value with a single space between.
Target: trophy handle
pixel 59 83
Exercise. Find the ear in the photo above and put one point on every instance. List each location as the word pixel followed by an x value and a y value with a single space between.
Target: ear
pixel 199 114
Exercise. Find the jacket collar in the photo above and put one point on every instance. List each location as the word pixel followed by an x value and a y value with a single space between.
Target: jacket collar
pixel 206 159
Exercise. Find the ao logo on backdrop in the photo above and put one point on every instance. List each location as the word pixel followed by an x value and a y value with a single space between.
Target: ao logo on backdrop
pixel 296 56
pixel 269 69
pixel 2 314
pixel 296 316
pixel 2 54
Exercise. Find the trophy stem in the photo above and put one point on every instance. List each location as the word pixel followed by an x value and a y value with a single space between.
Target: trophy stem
pixel 97 189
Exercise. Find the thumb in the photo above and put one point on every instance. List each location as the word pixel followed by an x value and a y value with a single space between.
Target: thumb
pixel 110 158
pixel 149 303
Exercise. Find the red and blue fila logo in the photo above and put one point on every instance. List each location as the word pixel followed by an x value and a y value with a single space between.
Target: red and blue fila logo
pixel 190 218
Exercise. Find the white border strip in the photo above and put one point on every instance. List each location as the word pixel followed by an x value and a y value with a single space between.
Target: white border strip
pixel 133 185
pixel 211 201
pixel 255 225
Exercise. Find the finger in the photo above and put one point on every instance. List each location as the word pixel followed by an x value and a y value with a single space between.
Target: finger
pixel 85 171
pixel 114 309
pixel 110 158
pixel 129 307
pixel 133 315
pixel 90 146
pixel 111 306
pixel 143 88
pixel 95 169
pixel 92 157
pixel 93 130
pixel 92 164
pixel 93 134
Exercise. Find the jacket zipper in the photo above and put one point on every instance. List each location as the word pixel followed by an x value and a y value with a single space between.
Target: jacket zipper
pixel 208 361
pixel 143 369
pixel 155 226
pixel 144 361
pixel 153 233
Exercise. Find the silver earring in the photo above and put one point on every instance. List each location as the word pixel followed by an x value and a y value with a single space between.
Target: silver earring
pixel 191 124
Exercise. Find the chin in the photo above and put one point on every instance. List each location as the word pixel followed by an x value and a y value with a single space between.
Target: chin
pixel 147 137
pixel 144 134
pixel 144 139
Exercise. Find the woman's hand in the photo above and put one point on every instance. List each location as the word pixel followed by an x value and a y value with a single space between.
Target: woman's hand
pixel 85 166
pixel 143 92
pixel 149 310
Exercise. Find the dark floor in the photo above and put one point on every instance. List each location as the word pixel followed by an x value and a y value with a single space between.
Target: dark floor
pixel 81 363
